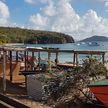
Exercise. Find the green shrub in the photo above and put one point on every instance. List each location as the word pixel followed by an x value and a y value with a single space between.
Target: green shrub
pixel 65 86
pixel 93 67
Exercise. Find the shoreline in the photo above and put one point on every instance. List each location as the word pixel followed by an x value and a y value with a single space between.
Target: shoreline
pixel 14 44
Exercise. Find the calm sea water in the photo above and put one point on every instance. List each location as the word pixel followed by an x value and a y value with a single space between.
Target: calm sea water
pixel 98 46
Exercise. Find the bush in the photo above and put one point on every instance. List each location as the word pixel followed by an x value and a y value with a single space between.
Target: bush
pixel 93 67
pixel 65 86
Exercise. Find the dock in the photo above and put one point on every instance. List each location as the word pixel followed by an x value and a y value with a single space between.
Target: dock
pixel 14 68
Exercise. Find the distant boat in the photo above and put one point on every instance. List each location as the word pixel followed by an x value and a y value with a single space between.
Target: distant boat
pixel 100 90
pixel 83 43
pixel 78 44
pixel 31 47
pixel 93 44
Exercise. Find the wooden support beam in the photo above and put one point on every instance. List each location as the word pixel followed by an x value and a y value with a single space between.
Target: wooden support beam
pixel 56 60
pixel 74 59
pixel 49 61
pixel 39 59
pixel 103 58
pixel 11 66
pixel 25 60
pixel 27 56
pixel 16 56
pixel 4 71
pixel 32 60
pixel 77 59
pixel 91 55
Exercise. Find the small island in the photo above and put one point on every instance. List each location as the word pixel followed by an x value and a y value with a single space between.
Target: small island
pixel 18 35
pixel 95 38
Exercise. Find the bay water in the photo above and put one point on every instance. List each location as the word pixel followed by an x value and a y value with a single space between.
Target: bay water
pixel 78 46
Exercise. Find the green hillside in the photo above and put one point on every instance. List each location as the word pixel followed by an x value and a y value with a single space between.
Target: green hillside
pixel 18 35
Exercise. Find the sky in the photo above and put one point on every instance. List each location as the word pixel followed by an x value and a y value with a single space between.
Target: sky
pixel 78 18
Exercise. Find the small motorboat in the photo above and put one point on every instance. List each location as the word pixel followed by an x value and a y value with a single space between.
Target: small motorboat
pixel 32 47
pixel 83 43
pixel 93 44
pixel 78 44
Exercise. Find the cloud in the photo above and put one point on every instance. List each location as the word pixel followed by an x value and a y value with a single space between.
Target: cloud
pixel 105 2
pixel 38 21
pixel 4 14
pixel 29 1
pixel 55 17
pixel 34 2
pixel 49 10
pixel 3 0
pixel 92 24
pixel 61 17
pixel 106 5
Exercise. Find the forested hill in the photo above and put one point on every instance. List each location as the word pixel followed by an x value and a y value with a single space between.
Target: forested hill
pixel 18 35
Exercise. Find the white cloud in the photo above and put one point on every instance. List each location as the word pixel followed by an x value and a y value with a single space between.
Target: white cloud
pixel 49 10
pixel 38 21
pixel 3 0
pixel 55 19
pixel 61 17
pixel 4 14
pixel 105 2
pixel 106 5
pixel 29 1
pixel 34 2
pixel 92 24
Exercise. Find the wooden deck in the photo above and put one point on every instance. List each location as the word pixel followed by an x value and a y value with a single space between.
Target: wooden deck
pixel 66 66
pixel 11 71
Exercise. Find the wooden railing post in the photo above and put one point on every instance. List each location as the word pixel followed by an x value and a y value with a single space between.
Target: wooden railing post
pixel 39 59
pixel 4 71
pixel 56 60
pixel 11 66
pixel 103 58
pixel 77 59
pixel 74 58
pixel 32 60
pixel 16 56
pixel 49 62
pixel 25 60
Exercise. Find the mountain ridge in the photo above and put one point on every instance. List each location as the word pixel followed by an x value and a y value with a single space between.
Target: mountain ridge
pixel 95 38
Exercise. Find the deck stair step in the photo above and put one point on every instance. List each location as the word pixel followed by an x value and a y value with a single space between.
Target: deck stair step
pixel 8 102
pixel 5 105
